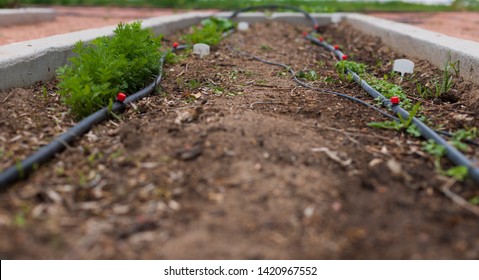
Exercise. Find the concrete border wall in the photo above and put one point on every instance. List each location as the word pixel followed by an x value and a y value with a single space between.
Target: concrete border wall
pixel 25 16
pixel 416 42
pixel 24 63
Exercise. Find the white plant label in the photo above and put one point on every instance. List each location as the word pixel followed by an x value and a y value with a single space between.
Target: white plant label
pixel 201 49
pixel 403 66
pixel 243 26
pixel 335 19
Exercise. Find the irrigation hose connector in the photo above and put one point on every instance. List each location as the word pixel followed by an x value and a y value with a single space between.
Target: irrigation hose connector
pixel 395 100
pixel 121 97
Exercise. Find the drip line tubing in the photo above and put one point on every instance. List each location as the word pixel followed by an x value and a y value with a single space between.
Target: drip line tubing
pixel 451 152
pixel 30 164
pixel 303 84
pixel 21 170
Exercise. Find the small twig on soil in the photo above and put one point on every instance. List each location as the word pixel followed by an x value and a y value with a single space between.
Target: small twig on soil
pixel 445 189
pixel 268 86
pixel 333 155
pixel 347 134
pixel 263 102
pixel 352 134
pixel 8 96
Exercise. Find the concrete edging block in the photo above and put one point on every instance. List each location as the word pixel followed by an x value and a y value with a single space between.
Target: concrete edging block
pixel 25 16
pixel 24 63
pixel 295 18
pixel 416 42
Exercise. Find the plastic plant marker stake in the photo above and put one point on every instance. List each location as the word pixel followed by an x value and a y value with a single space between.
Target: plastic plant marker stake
pixel 243 26
pixel 201 49
pixel 335 19
pixel 403 66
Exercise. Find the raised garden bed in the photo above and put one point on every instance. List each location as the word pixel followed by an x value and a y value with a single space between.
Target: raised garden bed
pixel 232 159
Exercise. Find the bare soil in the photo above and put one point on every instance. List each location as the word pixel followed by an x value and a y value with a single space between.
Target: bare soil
pixel 233 160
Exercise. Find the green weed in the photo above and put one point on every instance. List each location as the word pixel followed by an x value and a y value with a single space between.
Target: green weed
pixel 458 172
pixel 124 62
pixel 474 200
pixel 344 65
pixel 210 32
pixel 44 92
pixel 193 84
pixel 403 124
pixel 266 48
pixel 310 75
pixel 443 86
pixel 438 151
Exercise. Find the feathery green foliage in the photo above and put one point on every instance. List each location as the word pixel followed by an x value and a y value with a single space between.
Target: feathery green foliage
pixel 122 63
pixel 210 32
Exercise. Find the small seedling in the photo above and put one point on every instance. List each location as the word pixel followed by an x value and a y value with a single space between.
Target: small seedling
pixel 343 66
pixel 474 200
pixel 310 75
pixel 210 32
pixel 403 124
pixel 44 92
pixel 458 172
pixel 464 134
pixel 193 84
pixel 266 48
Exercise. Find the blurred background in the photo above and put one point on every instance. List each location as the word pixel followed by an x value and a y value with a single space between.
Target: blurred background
pixel 310 5
pixel 458 18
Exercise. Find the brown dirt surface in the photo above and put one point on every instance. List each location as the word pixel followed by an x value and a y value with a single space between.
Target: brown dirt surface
pixel 462 25
pixel 233 160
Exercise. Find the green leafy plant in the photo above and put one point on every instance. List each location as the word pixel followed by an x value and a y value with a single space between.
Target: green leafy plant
pixel 310 75
pixel 458 172
pixel 461 135
pixel 124 62
pixel 344 65
pixel 266 48
pixel 438 151
pixel 210 32
pixel 403 124
pixel 423 91
pixel 443 86
pixel 474 200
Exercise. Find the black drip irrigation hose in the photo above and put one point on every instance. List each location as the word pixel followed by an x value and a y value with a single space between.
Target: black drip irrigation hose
pixel 301 83
pixel 277 7
pixel 23 169
pixel 452 153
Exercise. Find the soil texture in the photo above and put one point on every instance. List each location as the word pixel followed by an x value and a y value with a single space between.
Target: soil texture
pixel 231 159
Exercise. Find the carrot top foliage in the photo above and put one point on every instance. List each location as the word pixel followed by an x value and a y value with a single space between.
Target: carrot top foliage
pixel 210 32
pixel 106 66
